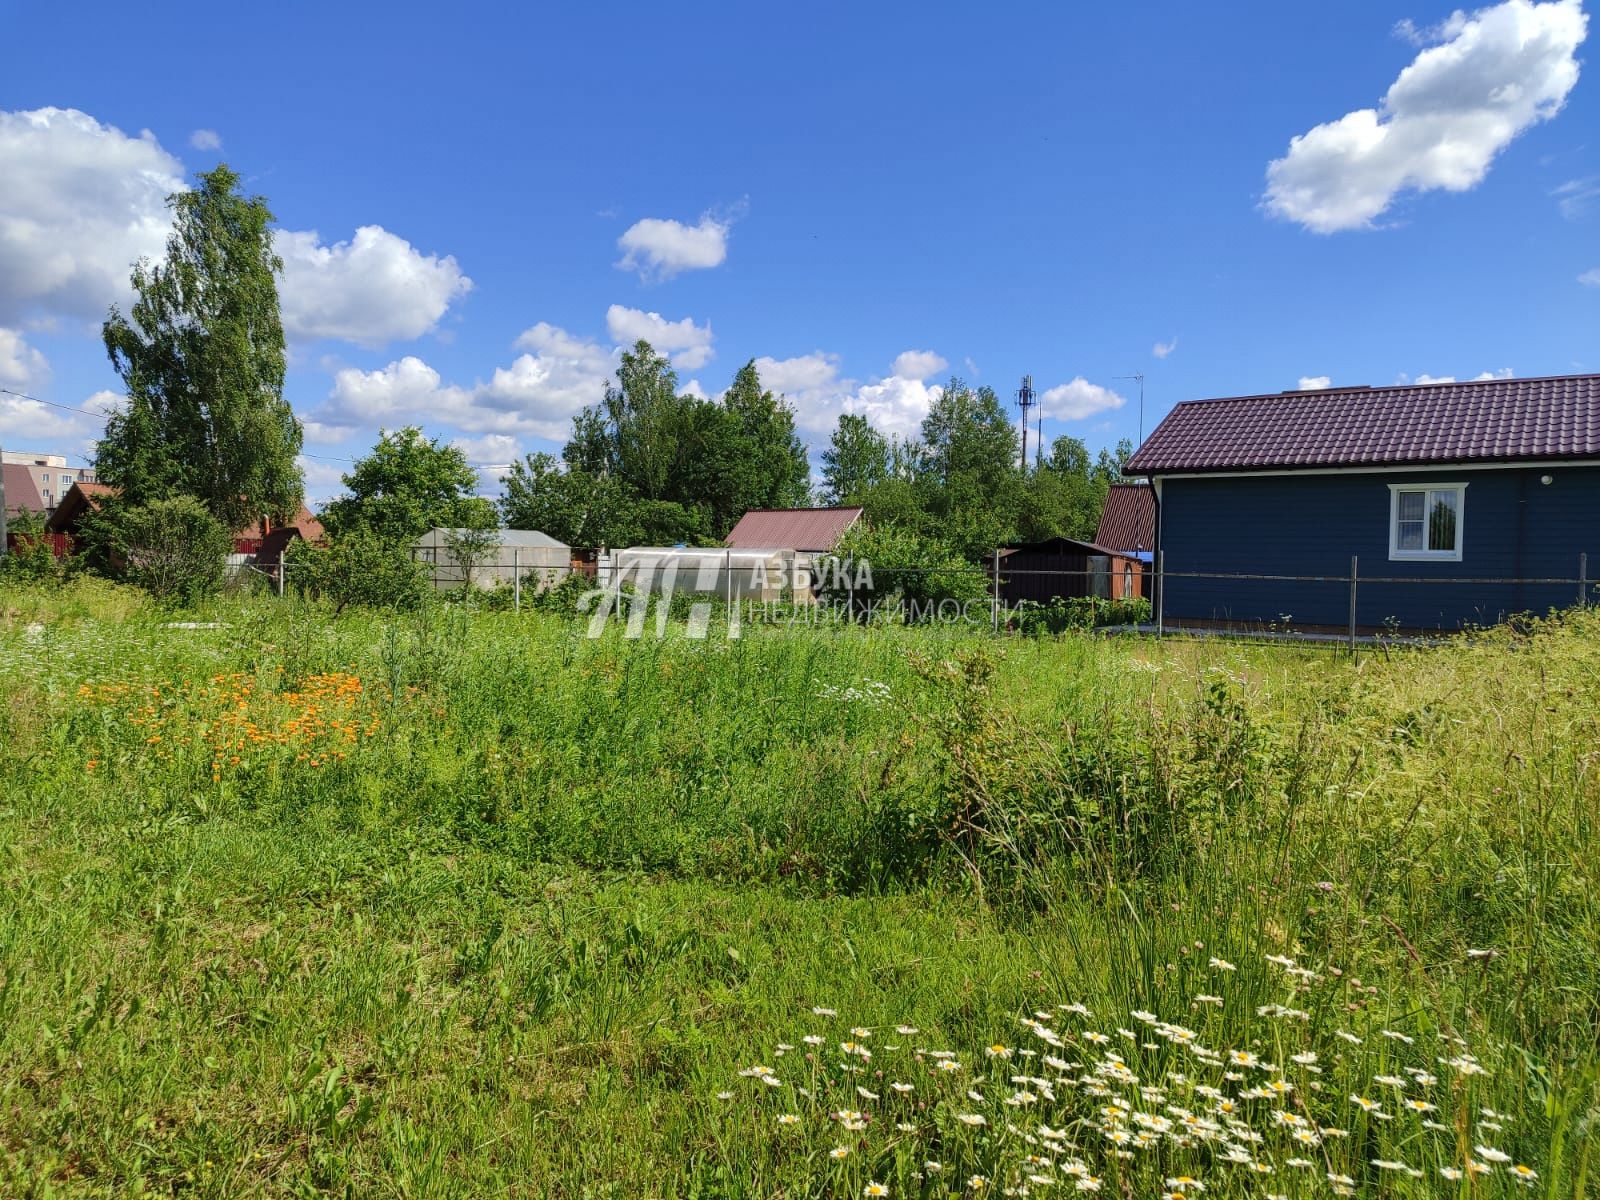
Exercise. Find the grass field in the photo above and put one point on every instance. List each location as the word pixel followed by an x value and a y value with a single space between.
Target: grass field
pixel 465 904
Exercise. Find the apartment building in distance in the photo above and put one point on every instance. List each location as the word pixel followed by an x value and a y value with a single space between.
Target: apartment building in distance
pixel 52 477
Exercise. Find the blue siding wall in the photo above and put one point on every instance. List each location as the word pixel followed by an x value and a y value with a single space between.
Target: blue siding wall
pixel 1513 527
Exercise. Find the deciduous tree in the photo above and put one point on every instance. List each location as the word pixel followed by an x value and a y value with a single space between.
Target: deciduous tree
pixel 408 485
pixel 201 358
pixel 855 462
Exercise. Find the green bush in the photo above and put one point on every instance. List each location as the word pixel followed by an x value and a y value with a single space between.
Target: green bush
pixel 562 599
pixel 873 569
pixel 174 549
pixel 29 559
pixel 1077 612
pixel 359 569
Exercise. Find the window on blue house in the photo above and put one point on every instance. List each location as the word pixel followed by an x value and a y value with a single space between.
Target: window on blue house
pixel 1425 522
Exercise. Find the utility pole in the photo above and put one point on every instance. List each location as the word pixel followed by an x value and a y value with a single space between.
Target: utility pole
pixel 1140 377
pixel 3 535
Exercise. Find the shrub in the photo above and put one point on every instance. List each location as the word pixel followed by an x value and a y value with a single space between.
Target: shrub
pixel 874 568
pixel 29 559
pixel 1077 612
pixel 360 569
pixel 472 549
pixel 562 599
pixel 174 549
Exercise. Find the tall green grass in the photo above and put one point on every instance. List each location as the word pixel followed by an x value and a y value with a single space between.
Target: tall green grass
pixel 519 938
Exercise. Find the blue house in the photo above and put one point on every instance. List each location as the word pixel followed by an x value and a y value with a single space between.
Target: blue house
pixel 1460 503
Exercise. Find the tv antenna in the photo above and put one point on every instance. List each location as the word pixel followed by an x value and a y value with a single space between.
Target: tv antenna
pixel 1140 377
pixel 1025 401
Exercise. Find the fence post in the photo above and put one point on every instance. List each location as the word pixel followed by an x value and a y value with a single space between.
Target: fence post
pixel 1583 579
pixel 994 604
pixel 283 569
pixel 1352 604
pixel 1161 592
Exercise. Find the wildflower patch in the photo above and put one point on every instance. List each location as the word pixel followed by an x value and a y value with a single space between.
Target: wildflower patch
pixel 241 724
pixel 1263 1101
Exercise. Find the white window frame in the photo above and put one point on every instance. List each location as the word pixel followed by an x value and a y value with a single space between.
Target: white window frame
pixel 1425 555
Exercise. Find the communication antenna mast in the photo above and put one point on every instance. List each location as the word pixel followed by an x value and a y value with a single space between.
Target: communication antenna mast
pixel 1025 401
pixel 1140 377
pixel 1038 451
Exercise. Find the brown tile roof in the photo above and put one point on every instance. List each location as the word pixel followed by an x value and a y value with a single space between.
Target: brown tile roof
pixel 808 529
pixel 79 498
pixel 305 521
pixel 310 528
pixel 1128 520
pixel 1499 420
pixel 21 491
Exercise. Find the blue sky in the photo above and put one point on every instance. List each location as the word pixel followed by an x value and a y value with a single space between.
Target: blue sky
pixel 867 198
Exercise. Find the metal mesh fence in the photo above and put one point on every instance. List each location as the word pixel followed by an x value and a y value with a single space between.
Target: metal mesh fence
pixel 1335 609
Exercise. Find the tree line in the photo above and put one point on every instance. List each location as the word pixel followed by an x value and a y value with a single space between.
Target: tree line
pixel 206 445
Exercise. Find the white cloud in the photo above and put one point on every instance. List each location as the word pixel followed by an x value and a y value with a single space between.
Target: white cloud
pixel 1408 30
pixel 1492 75
pixel 537 394
pixel 542 391
pixel 1162 349
pixel 1482 377
pixel 23 421
pixel 28 420
pixel 21 366
pixel 82 202
pixel 374 289
pixel 323 480
pixel 322 433
pixel 1576 197
pixel 688 345
pixel 815 372
pixel 660 249
pixel 492 454
pixel 206 139
pixel 395 394
pixel 917 364
pixel 1079 399
pixel 895 405
pixel 1314 383
pixel 1590 278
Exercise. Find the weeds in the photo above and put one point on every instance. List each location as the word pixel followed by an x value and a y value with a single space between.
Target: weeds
pixel 484 906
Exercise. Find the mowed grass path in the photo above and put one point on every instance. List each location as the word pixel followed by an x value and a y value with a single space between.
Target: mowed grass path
pixel 485 908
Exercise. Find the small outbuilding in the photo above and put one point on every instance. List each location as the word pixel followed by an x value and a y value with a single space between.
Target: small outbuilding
pixel 1062 568
pixel 539 559
pixel 80 500
pixel 1128 528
